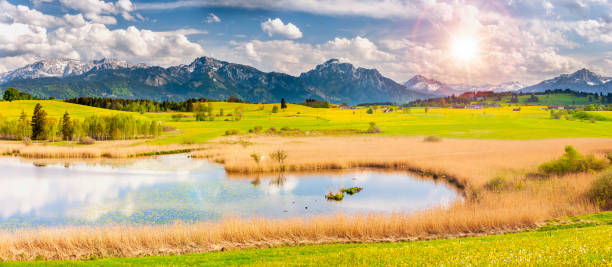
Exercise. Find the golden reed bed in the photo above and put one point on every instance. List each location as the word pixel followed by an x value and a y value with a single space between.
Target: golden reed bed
pixel 524 203
pixel 106 149
pixel 473 161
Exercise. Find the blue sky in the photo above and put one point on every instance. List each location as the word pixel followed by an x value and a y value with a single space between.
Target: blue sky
pixel 453 41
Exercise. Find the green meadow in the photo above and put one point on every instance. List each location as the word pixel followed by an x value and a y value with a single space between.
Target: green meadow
pixel 531 122
pixel 578 241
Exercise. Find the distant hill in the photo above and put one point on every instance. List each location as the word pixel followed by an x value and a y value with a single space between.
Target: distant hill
pixel 208 78
pixel 582 80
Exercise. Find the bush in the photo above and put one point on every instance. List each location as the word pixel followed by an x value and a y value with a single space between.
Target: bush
pixel 588 116
pixel 256 129
pixel 27 141
pixel 256 157
pixel 432 138
pixel 496 184
pixel 279 155
pixel 336 196
pixel 370 111
pixel 275 109
pixel 176 117
pixel 601 191
pixel 87 141
pixel 373 128
pixel 167 128
pixel 572 162
pixel 351 190
pixel 232 132
pixel 188 141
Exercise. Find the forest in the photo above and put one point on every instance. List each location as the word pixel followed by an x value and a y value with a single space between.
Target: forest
pixel 39 126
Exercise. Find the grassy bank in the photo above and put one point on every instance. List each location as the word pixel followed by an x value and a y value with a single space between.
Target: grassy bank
pixel 581 241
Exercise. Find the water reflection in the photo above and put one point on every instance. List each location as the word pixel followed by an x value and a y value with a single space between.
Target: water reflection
pixel 169 188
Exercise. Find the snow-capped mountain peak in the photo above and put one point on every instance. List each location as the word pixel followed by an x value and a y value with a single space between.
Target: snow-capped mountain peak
pixel 582 80
pixel 422 83
pixel 62 67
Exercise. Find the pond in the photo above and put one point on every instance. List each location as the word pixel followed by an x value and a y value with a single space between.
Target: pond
pixel 169 188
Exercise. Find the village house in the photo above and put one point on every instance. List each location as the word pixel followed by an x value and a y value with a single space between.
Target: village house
pixel 556 107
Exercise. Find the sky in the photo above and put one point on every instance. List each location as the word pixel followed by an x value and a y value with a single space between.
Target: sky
pixel 471 42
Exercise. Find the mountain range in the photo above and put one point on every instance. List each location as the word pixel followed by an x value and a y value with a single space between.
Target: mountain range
pixel 421 83
pixel 63 67
pixel 207 77
pixel 582 80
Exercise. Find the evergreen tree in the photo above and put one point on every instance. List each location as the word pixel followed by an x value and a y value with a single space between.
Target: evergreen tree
pixel 283 103
pixel 67 128
pixel 38 122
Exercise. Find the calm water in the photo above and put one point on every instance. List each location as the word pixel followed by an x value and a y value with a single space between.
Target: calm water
pixel 170 188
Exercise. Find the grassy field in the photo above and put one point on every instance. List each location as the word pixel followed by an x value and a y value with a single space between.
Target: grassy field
pixel 581 241
pixel 494 123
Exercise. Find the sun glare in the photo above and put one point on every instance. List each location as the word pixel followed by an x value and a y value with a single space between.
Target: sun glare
pixel 464 48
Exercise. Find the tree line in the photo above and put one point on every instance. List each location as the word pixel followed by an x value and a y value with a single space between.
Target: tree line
pixel 144 105
pixel 11 94
pixel 468 97
pixel 138 105
pixel 99 127
pixel 313 103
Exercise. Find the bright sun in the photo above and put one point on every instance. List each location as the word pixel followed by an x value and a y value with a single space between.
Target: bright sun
pixel 464 48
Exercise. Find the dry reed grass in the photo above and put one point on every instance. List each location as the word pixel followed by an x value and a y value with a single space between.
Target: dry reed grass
pixel 107 149
pixel 472 161
pixel 524 203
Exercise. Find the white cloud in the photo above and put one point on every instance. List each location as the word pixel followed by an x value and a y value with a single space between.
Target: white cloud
pixel 293 57
pixel 22 14
pixel 99 11
pixel 28 43
pixel 277 27
pixel 75 20
pixel 212 18
pixel 593 30
pixel 27 35
pixel 509 49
